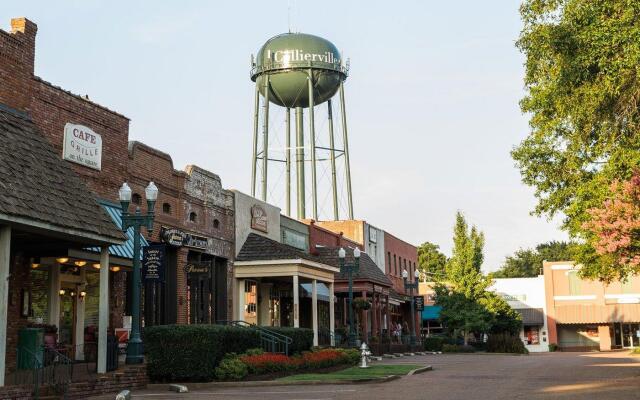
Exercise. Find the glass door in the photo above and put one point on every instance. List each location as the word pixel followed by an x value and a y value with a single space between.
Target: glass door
pixel 629 336
pixel 66 326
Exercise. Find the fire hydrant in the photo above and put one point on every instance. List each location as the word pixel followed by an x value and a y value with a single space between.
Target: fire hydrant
pixel 364 355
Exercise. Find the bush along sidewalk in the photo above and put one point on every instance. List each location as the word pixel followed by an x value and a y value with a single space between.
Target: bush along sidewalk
pixel 256 364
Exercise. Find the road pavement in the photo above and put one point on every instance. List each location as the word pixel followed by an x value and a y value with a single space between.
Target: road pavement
pixel 607 376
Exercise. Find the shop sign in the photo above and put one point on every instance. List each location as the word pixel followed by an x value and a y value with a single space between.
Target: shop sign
pixel 418 302
pixel 174 237
pixel 153 263
pixel 197 268
pixel 258 218
pixel 178 238
pixel 82 146
pixel 373 234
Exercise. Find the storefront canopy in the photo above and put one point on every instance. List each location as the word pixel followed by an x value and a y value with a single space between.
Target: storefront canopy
pixel 431 312
pixel 124 250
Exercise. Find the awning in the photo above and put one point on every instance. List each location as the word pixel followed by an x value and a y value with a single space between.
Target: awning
pixel 123 250
pixel 531 316
pixel 322 289
pixel 431 312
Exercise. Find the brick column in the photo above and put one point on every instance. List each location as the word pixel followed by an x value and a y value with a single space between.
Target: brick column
pixel 604 332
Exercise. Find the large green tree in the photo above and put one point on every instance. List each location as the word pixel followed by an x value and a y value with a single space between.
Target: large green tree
pixel 583 95
pixel 528 262
pixel 467 306
pixel 431 260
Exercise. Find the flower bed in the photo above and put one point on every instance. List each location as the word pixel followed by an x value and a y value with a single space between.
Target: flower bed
pixel 255 363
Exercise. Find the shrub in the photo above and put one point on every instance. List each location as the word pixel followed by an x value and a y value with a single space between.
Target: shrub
pixel 192 352
pixel 231 369
pixel 505 343
pixel 269 362
pixel 254 352
pixel 457 348
pixel 434 343
pixel 302 338
pixel 553 347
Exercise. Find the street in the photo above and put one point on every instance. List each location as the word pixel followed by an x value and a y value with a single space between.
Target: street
pixel 610 376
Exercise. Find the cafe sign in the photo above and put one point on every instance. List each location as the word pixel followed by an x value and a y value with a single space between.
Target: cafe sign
pixel 197 268
pixel 418 302
pixel 82 146
pixel 153 263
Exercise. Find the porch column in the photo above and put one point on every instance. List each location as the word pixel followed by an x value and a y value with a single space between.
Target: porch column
pixel 5 260
pixel 374 314
pixel 296 303
pixel 332 314
pixel 54 294
pixel 314 310
pixel 388 314
pixel 241 293
pixel 103 313
pixel 79 334
pixel 365 320
pixel 264 317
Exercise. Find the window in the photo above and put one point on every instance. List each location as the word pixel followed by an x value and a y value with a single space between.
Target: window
pixel 574 283
pixel 136 199
pixel 216 224
pixel 389 262
pixel 166 208
pixel 193 216
pixel 395 266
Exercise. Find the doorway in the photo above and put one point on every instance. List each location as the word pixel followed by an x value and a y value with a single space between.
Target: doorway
pixel 68 316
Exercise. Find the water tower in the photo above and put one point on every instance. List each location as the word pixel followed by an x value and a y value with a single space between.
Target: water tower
pixel 300 71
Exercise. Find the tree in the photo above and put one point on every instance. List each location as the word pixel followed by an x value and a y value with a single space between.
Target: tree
pixel 583 91
pixel 431 260
pixel 503 317
pixel 615 232
pixel 463 268
pixel 528 262
pixel 461 314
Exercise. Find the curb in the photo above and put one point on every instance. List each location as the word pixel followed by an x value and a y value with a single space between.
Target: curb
pixel 420 370
pixel 211 385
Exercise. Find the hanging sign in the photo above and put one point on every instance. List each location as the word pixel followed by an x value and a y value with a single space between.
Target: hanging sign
pixel 153 263
pixel 82 146
pixel 178 238
pixel 418 302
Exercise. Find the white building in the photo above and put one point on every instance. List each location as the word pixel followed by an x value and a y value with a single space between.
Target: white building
pixel 526 295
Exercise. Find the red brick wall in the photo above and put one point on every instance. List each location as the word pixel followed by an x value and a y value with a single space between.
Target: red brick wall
pixel 324 237
pixel 17 52
pixel 404 253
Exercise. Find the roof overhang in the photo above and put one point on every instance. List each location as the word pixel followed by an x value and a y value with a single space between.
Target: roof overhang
pixel 47 229
pixel 274 268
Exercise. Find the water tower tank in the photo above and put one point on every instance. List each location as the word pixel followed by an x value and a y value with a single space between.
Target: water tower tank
pixel 288 59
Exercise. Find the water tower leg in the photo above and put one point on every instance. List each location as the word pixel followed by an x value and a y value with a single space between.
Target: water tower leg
pixel 288 161
pixel 347 164
pixel 265 140
pixel 254 160
pixel 300 163
pixel 334 185
pixel 312 138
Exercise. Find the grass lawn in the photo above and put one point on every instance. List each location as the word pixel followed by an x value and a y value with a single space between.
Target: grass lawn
pixel 354 373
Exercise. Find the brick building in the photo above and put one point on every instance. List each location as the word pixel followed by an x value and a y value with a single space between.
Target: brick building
pixel 92 142
pixel 391 254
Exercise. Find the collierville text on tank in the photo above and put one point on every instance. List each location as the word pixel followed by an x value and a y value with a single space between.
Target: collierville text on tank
pixel 301 56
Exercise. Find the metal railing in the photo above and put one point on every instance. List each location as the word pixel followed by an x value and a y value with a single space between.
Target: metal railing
pixel 271 341
pixel 45 368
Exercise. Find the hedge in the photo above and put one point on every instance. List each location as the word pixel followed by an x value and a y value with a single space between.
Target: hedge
pixel 302 338
pixel 434 343
pixel 505 343
pixel 192 352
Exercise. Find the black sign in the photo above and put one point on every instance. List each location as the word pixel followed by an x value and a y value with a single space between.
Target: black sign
pixel 418 302
pixel 153 263
pixel 176 237
pixel 197 267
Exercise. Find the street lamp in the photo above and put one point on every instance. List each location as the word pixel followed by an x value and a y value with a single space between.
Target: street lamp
pixel 136 221
pixel 350 269
pixel 410 286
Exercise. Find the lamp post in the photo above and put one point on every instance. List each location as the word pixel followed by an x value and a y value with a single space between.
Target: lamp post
pixel 136 221
pixel 350 269
pixel 410 286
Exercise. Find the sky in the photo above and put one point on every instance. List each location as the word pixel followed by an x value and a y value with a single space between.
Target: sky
pixel 432 97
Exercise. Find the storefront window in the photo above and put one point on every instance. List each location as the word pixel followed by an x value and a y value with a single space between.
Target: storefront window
pixel 532 334
pixel 251 302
